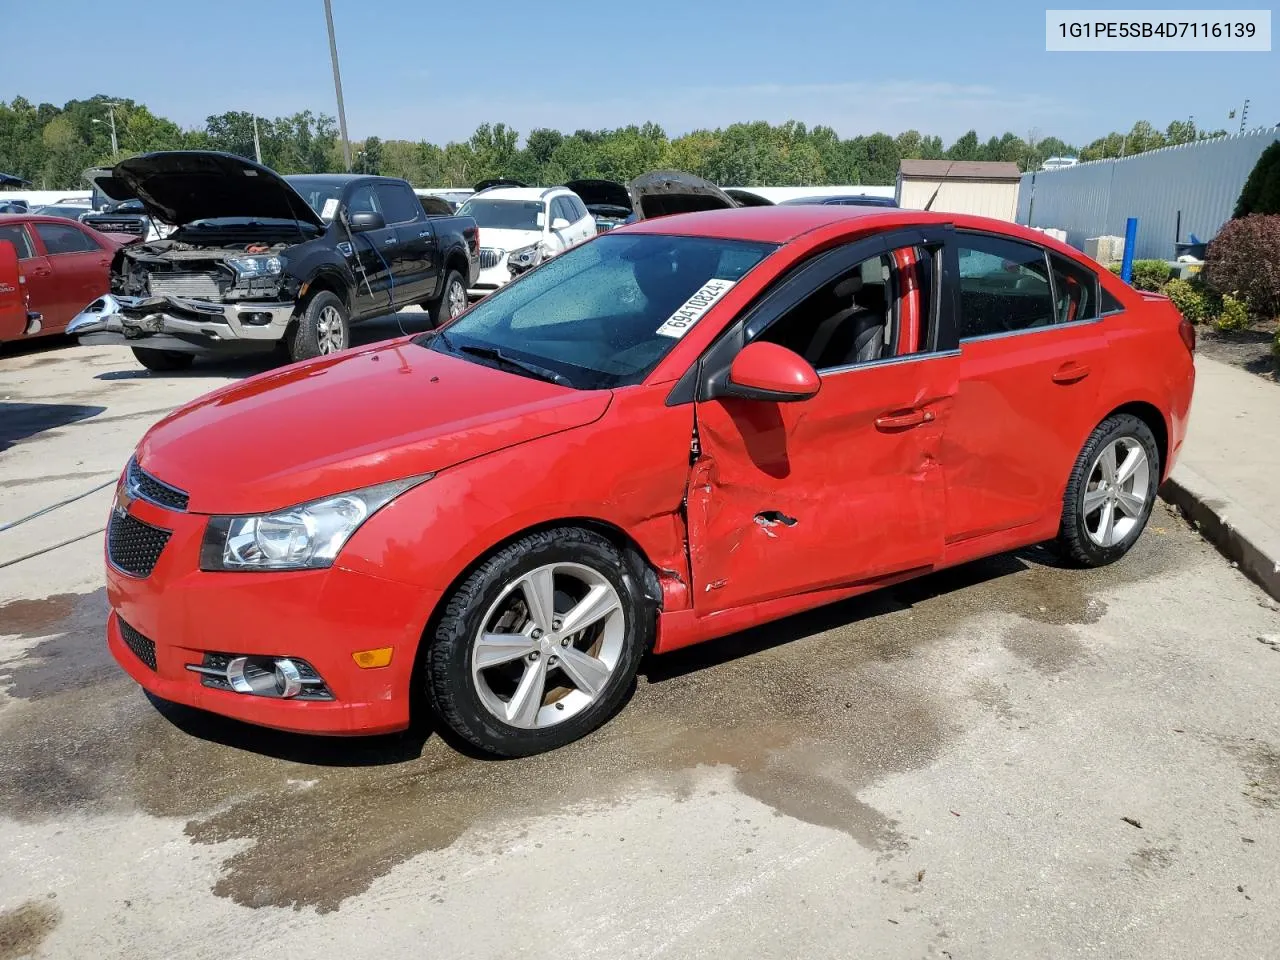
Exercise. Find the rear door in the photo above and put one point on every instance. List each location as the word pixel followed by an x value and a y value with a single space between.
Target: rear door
pixel 413 266
pixel 80 267
pixel 1030 365
pixel 843 488
pixel 43 293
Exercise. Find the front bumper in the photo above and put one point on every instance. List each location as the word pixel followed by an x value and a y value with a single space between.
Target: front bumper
pixel 320 616
pixel 489 280
pixel 194 326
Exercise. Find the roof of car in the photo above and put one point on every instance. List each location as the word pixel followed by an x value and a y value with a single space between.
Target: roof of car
pixel 519 193
pixel 782 224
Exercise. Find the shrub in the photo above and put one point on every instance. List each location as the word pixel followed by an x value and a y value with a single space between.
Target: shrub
pixel 1244 261
pixel 1261 193
pixel 1188 298
pixel 1275 347
pixel 1114 268
pixel 1234 314
pixel 1150 274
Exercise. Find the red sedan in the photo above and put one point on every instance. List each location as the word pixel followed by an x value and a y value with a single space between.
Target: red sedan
pixel 674 431
pixel 65 266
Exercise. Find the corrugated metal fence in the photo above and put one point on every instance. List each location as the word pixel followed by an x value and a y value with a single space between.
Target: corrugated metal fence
pixel 1200 180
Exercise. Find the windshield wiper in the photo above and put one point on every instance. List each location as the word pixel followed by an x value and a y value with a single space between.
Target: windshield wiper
pixel 493 353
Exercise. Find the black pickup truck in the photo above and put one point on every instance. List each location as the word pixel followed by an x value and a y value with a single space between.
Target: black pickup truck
pixel 260 262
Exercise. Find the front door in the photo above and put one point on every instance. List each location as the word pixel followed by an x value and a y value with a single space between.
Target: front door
pixel 1030 364
pixel 372 253
pixel 843 488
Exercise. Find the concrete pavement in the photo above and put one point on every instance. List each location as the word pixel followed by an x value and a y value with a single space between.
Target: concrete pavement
pixel 1227 480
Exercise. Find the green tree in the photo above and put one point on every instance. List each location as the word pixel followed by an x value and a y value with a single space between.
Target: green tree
pixel 1261 192
pixel 966 148
pixel 371 156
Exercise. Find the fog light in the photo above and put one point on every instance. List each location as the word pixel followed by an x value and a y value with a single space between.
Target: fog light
pixel 283 678
pixel 367 659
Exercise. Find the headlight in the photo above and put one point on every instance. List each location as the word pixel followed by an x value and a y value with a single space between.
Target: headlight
pixel 304 537
pixel 525 257
pixel 250 268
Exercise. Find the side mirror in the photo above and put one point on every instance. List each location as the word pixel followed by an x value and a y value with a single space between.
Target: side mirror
pixel 766 371
pixel 365 220
pixel 559 223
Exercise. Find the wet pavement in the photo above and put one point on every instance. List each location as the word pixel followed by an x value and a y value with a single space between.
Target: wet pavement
pixel 1010 759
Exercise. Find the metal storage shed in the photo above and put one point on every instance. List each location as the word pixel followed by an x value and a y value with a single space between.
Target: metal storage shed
pixel 980 187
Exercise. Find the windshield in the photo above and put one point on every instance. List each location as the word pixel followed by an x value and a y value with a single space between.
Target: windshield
pixel 604 313
pixel 322 196
pixel 505 214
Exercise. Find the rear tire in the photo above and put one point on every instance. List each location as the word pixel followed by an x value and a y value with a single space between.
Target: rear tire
pixel 323 328
pixel 164 361
pixel 1110 493
pixel 453 300
pixel 498 670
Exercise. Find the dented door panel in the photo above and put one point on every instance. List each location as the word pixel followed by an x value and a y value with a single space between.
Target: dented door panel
pixel 788 497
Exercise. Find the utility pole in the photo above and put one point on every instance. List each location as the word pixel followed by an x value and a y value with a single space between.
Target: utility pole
pixel 337 85
pixel 1244 112
pixel 257 147
pixel 115 144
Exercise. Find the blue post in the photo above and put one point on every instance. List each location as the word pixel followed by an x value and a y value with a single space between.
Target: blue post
pixel 1130 241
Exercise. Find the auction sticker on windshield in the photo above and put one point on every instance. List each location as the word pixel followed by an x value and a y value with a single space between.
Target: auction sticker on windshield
pixel 691 311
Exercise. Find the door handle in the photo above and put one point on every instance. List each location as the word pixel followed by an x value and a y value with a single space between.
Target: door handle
pixel 1070 372
pixel 389 241
pixel 42 272
pixel 425 233
pixel 901 419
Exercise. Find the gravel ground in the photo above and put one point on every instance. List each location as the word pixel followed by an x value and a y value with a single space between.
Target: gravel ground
pixel 1007 760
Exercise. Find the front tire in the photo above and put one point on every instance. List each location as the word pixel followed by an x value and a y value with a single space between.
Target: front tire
pixel 539 646
pixel 164 361
pixel 323 328
pixel 1110 493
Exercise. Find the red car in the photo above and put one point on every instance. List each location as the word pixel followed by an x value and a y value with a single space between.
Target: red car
pixel 65 266
pixel 674 431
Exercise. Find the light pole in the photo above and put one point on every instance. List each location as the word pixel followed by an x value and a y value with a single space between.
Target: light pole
pixel 257 147
pixel 111 111
pixel 337 85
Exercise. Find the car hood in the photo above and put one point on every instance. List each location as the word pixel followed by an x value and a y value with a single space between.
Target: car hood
pixel 601 193
pixel 665 192
pixel 181 186
pixel 344 422
pixel 499 239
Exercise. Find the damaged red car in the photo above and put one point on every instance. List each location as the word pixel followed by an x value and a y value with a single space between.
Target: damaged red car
pixel 679 429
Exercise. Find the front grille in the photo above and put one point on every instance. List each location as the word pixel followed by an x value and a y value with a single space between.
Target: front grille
pixel 194 286
pixel 142 484
pixel 131 225
pixel 143 649
pixel 134 546
pixel 490 257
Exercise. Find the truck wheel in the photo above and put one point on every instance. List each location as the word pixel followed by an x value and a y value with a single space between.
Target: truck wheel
pixel 322 328
pixel 164 361
pixel 451 303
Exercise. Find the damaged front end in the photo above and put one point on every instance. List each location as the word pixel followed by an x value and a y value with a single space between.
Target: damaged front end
pixel 188 298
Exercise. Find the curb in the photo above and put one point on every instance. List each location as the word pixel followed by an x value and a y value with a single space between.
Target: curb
pixel 1251 544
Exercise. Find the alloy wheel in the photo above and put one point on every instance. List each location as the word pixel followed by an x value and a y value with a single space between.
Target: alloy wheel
pixel 331 333
pixel 1115 496
pixel 548 645
pixel 457 299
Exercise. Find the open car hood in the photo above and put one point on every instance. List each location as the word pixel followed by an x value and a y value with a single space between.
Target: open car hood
pixel 606 197
pixel 664 192
pixel 497 182
pixel 181 186
pixel 745 198
pixel 9 180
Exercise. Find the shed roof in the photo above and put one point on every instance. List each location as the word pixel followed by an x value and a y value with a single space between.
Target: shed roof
pixel 959 170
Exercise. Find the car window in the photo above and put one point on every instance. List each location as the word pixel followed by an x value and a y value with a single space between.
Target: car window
pixel 1076 287
pixel 1109 303
pixel 364 200
pixel 1004 286
pixel 878 309
pixel 579 208
pixel 560 209
pixel 59 238
pixel 16 234
pixel 399 203
pixel 604 313
pixel 505 214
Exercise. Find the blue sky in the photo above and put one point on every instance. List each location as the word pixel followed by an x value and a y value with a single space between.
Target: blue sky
pixel 431 70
